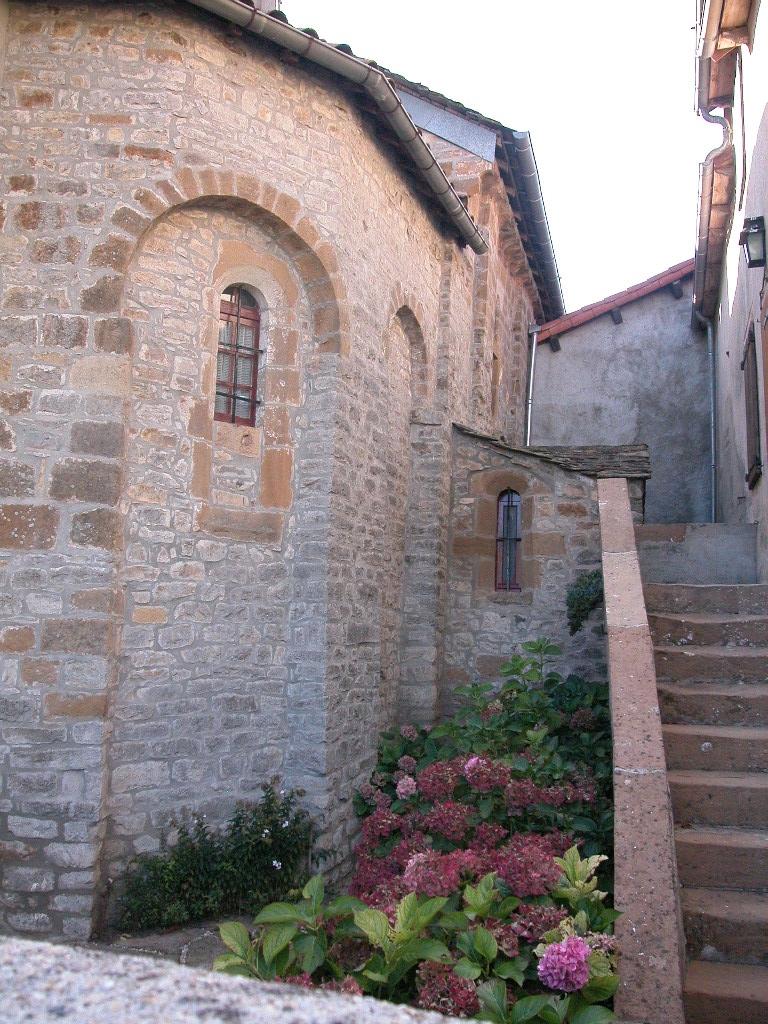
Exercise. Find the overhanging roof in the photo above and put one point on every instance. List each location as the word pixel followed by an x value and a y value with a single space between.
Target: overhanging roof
pixel 569 321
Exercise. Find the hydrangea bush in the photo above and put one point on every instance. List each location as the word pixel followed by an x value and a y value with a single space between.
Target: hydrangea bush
pixel 475 890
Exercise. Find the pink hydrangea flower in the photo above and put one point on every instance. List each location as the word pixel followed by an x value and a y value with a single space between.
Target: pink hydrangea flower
pixel 409 732
pixel 407 764
pixel 564 965
pixel 406 788
pixel 448 819
pixel 531 922
pixel 437 781
pixel 484 775
pixel 442 990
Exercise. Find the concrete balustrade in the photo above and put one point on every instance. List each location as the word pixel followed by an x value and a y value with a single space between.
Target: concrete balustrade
pixel 650 930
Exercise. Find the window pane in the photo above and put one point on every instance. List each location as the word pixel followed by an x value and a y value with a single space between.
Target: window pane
pixel 245 368
pixel 223 404
pixel 243 408
pixel 225 332
pixel 246 299
pixel 224 367
pixel 246 336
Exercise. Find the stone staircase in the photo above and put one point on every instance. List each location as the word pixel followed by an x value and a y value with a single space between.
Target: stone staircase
pixel 709 623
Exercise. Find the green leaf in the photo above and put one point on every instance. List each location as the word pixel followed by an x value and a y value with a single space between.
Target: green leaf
pixel 228 963
pixel 276 939
pixel 597 990
pixel 404 916
pixel 314 891
pixel 493 999
pixel 280 913
pixel 375 926
pixel 506 906
pixel 342 906
pixel 485 944
pixel 423 949
pixel 528 1008
pixel 453 921
pixel 592 1015
pixel 426 912
pixel 511 970
pixel 235 937
pixel 312 949
pixel 466 969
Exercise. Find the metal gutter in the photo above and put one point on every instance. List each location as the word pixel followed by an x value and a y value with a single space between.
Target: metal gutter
pixel 536 219
pixel 705 206
pixel 376 85
pixel 707 324
pixel 533 332
pixel 711 19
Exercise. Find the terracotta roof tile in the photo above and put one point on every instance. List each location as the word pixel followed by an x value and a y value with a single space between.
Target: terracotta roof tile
pixel 569 321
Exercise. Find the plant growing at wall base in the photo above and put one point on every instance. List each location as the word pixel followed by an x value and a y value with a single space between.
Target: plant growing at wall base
pixel 584 595
pixel 261 854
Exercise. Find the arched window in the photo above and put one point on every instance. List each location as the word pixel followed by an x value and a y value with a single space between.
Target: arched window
pixel 237 364
pixel 507 540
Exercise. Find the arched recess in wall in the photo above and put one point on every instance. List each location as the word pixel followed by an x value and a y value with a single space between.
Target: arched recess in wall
pixel 207 607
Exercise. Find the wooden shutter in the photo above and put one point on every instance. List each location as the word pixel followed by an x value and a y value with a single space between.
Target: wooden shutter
pixel 752 410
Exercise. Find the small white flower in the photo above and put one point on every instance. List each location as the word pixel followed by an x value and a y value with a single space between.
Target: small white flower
pixel 276 864
pixel 286 824
pixel 265 834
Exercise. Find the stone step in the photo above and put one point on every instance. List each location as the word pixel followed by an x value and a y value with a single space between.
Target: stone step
pixel 721 924
pixel 742 599
pixel 702 628
pixel 736 664
pixel 697 552
pixel 719 798
pixel 725 858
pixel 729 748
pixel 725 993
pixel 708 703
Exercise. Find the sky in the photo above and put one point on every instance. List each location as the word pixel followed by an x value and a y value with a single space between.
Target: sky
pixel 606 89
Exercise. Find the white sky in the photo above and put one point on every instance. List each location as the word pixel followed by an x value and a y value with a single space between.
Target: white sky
pixel 605 87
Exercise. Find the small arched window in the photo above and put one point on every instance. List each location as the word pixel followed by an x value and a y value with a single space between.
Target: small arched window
pixel 507 540
pixel 237 363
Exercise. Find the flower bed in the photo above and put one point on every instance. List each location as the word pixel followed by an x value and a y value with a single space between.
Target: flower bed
pixel 470 895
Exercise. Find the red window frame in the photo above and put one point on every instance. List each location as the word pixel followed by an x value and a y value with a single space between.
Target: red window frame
pixel 235 312
pixel 507 540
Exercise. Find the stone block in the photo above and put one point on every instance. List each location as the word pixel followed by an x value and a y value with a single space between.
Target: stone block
pixel 104 296
pixel 275 484
pixel 107 374
pixel 39 671
pixel 94 438
pixel 16 639
pixel 18 330
pixel 76 636
pixel 98 528
pixel 17 480
pixel 21 879
pixel 259 527
pixel 114 335
pixel 147 615
pixel 30 922
pixel 71 855
pixel 147 775
pixel 32 828
pixel 544 545
pixel 86 480
pixel 28 526
pixel 92 705
pixel 65 331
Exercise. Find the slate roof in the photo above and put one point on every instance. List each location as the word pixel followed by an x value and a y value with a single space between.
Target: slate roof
pixel 598 461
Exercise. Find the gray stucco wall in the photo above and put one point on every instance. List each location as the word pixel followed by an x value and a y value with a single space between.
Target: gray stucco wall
pixel 643 380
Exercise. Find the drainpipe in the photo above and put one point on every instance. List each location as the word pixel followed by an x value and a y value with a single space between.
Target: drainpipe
pixel 706 323
pixel 533 334
pixel 705 204
pixel 378 87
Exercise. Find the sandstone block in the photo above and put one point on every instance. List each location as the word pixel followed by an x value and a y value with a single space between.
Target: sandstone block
pixel 102 297
pixel 17 480
pixel 92 438
pixel 146 775
pixel 28 526
pixel 98 528
pixel 15 639
pixel 275 485
pixel 92 705
pixel 114 335
pixel 39 671
pixel 108 374
pixel 76 636
pixel 18 330
pixel 86 480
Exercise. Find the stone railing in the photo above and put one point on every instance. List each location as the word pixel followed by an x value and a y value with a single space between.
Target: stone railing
pixel 43 983
pixel 650 930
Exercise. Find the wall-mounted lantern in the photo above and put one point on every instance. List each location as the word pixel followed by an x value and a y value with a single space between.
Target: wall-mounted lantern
pixel 752 241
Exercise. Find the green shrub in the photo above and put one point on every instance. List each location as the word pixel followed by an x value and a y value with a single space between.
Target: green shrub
pixel 262 854
pixel 583 597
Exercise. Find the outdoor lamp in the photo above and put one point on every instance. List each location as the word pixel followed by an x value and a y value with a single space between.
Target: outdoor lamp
pixel 752 241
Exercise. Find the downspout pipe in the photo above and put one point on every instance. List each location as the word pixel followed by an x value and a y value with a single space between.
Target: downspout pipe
pixel 705 204
pixel 533 334
pixel 706 323
pixel 377 86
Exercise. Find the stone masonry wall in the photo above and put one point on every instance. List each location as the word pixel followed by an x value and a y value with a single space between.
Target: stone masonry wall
pixel 560 540
pixel 189 607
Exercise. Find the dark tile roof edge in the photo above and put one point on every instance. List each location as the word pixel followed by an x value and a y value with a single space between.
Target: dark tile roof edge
pixel 581 316
pixel 599 461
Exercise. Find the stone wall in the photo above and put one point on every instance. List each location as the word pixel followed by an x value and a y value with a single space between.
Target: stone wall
pixel 560 540
pixel 190 607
